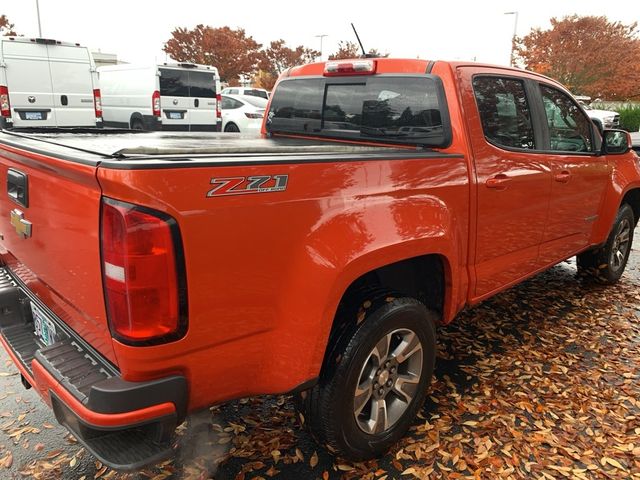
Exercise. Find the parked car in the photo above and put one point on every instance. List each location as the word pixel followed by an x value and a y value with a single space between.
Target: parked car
pixel 169 96
pixel 143 277
pixel 602 118
pixel 242 113
pixel 254 92
pixel 47 83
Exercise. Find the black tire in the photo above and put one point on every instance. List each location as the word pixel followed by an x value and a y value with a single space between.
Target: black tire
pixel 607 263
pixel 231 128
pixel 137 124
pixel 329 407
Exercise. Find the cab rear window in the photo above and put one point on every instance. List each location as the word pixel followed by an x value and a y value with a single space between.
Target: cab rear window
pixel 397 109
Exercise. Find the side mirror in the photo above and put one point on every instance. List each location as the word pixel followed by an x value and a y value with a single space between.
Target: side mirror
pixel 615 142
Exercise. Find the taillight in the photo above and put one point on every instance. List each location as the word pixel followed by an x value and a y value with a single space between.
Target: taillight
pixel 350 67
pixel 155 103
pixel 143 274
pixel 97 102
pixel 218 107
pixel 253 115
pixel 5 106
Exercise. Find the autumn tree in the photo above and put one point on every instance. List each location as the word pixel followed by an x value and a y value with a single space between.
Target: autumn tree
pixel 231 51
pixel 278 57
pixel 589 55
pixel 346 49
pixel 6 27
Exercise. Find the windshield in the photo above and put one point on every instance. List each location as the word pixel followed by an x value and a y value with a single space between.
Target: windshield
pixel 404 109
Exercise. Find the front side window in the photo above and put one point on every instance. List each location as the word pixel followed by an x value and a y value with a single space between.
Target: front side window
pixel 504 112
pixel 402 109
pixel 569 128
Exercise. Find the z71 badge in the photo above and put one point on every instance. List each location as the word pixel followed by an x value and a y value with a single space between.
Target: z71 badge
pixel 245 185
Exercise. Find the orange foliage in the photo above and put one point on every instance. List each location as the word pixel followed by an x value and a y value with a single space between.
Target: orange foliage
pixel 589 55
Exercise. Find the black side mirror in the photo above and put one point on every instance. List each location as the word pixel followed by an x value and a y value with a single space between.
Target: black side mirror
pixel 615 142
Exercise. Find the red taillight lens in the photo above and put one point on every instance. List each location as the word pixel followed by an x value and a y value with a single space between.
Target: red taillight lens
pixel 97 102
pixel 141 274
pixel 253 115
pixel 5 106
pixel 219 107
pixel 350 67
pixel 155 103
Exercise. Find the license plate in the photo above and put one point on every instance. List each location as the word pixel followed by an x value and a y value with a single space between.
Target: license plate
pixel 33 115
pixel 175 115
pixel 43 327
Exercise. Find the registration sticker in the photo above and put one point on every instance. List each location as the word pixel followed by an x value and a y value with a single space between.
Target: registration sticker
pixel 43 327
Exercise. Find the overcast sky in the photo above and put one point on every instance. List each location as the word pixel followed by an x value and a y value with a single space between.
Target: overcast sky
pixel 135 30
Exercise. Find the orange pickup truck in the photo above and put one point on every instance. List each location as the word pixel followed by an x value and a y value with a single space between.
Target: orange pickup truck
pixel 146 275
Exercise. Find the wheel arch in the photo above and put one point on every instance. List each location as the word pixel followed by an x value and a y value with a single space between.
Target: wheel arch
pixel 632 198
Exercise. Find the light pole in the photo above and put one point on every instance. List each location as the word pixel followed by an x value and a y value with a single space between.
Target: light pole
pixel 38 14
pixel 321 37
pixel 512 60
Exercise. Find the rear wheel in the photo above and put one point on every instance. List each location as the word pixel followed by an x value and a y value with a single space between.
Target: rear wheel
pixel 607 264
pixel 231 127
pixel 136 124
pixel 375 377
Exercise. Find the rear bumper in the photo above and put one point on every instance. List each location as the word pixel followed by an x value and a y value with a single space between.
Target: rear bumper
pixel 126 425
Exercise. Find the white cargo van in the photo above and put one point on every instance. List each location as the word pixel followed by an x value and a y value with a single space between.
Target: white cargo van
pixel 47 83
pixel 181 96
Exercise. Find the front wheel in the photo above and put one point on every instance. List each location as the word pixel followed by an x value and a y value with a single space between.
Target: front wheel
pixel 375 378
pixel 607 263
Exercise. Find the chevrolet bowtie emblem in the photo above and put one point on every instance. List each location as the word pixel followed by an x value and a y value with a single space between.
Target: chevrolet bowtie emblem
pixel 22 226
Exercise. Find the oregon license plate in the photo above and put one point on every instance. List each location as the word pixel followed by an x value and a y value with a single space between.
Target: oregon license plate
pixel 175 115
pixel 33 115
pixel 44 328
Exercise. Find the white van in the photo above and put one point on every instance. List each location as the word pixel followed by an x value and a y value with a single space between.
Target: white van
pixel 47 83
pixel 181 96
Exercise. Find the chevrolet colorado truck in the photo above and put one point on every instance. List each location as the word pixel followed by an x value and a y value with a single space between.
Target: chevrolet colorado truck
pixel 145 276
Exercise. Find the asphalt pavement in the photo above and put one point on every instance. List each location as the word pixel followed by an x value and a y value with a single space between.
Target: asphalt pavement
pixel 513 379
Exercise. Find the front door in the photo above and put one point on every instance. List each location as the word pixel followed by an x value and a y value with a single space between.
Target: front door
pixel 513 185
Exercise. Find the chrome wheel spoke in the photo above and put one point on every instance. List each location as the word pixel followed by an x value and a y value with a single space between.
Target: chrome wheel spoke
pixel 409 346
pixel 363 396
pixel 619 258
pixel 405 387
pixel 379 418
pixel 381 350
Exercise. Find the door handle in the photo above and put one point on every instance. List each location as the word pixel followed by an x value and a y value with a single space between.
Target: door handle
pixel 196 103
pixel 499 182
pixel 562 177
pixel 64 100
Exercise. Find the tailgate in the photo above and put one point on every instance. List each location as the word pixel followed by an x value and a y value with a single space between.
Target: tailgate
pixel 49 237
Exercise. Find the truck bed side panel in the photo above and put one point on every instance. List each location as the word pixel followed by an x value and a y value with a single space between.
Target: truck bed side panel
pixel 265 271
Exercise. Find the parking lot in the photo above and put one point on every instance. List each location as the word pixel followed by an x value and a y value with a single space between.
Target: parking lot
pixel 542 381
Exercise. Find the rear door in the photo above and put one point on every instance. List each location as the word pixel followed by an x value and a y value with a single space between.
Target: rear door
pixel 513 186
pixel 29 83
pixel 174 98
pixel 202 100
pixel 72 81
pixel 580 176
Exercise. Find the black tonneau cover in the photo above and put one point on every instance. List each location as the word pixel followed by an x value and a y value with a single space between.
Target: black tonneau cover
pixel 127 144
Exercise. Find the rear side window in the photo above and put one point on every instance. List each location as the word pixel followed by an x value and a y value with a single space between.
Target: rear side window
pixel 229 103
pixel 202 84
pixel 504 111
pixel 174 83
pixel 569 128
pixel 400 109
pixel 253 92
